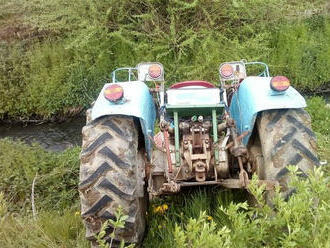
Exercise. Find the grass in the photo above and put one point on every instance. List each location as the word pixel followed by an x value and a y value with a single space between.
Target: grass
pixel 56 181
pixel 50 229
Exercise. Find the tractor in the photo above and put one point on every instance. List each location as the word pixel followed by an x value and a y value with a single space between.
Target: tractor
pixel 208 134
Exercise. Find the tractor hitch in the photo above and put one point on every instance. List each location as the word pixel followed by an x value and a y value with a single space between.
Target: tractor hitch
pixel 175 187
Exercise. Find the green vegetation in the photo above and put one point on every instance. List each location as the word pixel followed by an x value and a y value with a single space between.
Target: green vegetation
pixel 301 222
pixel 320 115
pixel 49 229
pixel 118 223
pixel 321 125
pixel 203 218
pixel 56 175
pixel 55 55
pixel 58 222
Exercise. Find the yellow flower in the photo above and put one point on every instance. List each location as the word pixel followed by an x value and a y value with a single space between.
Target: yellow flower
pixel 156 209
pixel 165 207
pixel 77 213
pixel 209 218
pixel 160 209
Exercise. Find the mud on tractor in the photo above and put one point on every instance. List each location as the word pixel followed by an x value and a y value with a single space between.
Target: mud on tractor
pixel 210 134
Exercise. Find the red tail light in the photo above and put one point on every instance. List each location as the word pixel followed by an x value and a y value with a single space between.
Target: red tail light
pixel 114 93
pixel 226 70
pixel 279 83
pixel 155 71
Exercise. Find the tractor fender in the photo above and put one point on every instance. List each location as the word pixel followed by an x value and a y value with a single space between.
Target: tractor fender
pixel 137 102
pixel 255 95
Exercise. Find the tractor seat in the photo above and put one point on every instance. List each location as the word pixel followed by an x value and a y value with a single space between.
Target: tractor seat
pixel 192 84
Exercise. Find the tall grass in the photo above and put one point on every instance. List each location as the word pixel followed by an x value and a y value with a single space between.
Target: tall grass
pixel 188 205
pixel 56 174
pixel 49 229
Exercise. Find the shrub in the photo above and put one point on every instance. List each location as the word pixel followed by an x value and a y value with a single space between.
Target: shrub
pixel 68 49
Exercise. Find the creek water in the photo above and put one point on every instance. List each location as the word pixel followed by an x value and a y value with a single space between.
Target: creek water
pixel 56 136
pixel 51 136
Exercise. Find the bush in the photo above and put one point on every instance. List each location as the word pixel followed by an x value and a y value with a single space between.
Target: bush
pixel 60 53
pixel 302 52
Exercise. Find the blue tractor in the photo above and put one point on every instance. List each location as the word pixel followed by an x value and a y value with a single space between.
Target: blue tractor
pixel 209 134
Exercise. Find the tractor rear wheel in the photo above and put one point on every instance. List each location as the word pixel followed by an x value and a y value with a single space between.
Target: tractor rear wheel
pixel 112 175
pixel 286 138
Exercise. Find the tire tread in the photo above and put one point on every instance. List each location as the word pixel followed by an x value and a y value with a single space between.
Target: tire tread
pixel 285 137
pixel 108 178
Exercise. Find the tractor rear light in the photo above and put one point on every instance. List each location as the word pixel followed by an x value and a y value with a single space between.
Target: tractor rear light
pixel 114 93
pixel 155 71
pixel 226 71
pixel 279 83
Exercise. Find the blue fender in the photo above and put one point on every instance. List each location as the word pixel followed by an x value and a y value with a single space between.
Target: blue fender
pixel 137 102
pixel 255 95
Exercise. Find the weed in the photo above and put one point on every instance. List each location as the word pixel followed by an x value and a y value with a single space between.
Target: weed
pixel 201 233
pixel 116 224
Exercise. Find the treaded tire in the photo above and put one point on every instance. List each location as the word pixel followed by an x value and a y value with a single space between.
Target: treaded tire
pixel 286 139
pixel 112 175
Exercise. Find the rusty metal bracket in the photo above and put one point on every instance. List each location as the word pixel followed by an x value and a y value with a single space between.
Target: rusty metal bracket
pixel 171 187
pixel 174 187
pixel 168 153
pixel 238 150
pixel 155 145
pixel 176 139
pixel 239 138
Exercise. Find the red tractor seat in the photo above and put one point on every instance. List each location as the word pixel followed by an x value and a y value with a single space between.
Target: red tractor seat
pixel 192 83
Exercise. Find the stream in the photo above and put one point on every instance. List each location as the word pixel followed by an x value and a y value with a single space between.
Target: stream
pixel 55 136
pixel 51 136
